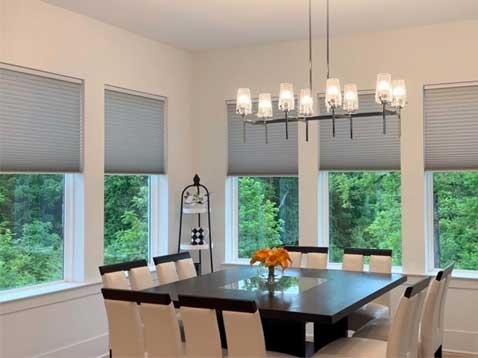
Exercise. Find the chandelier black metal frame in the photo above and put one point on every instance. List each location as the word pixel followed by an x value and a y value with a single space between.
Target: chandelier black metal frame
pixel 391 95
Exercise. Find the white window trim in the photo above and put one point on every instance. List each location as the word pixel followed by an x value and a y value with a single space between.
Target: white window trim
pixel 232 221
pixel 430 259
pixel 158 217
pixel 323 209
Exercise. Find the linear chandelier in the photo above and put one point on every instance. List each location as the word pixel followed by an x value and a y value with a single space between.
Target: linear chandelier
pixel 388 94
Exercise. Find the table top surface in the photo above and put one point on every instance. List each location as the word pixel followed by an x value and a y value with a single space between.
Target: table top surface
pixel 324 296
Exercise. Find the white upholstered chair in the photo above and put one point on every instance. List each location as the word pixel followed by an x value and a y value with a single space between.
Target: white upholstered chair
pixel 160 325
pixel 317 260
pixel 315 257
pixel 166 273
pixel 200 327
pixel 140 278
pixel 403 337
pixel 124 324
pixel 380 262
pixel 185 268
pixel 296 258
pixel 113 276
pixel 352 262
pixel 431 328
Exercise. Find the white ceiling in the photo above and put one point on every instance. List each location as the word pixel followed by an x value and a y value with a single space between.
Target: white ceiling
pixel 206 24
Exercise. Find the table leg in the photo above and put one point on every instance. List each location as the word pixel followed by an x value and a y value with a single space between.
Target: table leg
pixel 285 336
pixel 326 333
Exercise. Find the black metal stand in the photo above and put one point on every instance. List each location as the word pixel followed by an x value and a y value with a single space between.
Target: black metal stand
pixel 196 184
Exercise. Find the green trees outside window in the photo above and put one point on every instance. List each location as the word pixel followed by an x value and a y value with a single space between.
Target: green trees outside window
pixel 31 229
pixel 268 213
pixel 126 229
pixel 455 218
pixel 364 211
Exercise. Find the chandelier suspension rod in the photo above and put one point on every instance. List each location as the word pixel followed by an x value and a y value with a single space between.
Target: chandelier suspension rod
pixel 328 40
pixel 310 67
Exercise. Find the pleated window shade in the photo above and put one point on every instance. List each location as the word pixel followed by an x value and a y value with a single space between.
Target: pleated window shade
pixel 41 126
pixel 255 158
pixel 451 127
pixel 369 149
pixel 134 134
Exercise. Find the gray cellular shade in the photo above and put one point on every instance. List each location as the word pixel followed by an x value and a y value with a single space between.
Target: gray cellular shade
pixel 255 157
pixel 369 149
pixel 134 134
pixel 451 128
pixel 40 123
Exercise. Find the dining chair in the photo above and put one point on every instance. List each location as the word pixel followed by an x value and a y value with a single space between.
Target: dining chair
pixel 352 260
pixel 140 278
pixel 315 257
pixel 185 268
pixel 295 256
pixel 432 319
pixel 113 276
pixel 200 326
pixel 162 336
pixel 124 323
pixel 403 337
pixel 380 262
pixel 166 267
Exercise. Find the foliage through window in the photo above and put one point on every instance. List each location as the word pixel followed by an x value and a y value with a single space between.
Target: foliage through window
pixel 31 229
pixel 268 213
pixel 364 211
pixel 455 219
pixel 126 218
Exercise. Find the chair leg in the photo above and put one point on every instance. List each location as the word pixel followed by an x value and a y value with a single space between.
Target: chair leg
pixel 111 354
pixel 439 352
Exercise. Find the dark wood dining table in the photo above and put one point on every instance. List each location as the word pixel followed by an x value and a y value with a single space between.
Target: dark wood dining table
pixel 299 296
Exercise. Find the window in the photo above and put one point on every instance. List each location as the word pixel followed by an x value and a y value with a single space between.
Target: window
pixel 31 229
pixel 364 211
pixel 455 219
pixel 126 218
pixel 268 213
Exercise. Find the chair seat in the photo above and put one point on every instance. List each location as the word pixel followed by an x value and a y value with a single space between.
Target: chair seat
pixel 354 348
pixel 367 313
pixel 375 329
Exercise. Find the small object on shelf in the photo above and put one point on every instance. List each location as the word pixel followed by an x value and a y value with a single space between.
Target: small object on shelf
pixel 195 199
pixel 198 234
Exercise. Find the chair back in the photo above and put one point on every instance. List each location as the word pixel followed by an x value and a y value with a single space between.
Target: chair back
pixel 162 337
pixel 200 326
pixel 381 262
pixel 174 267
pixel 432 322
pixel 352 260
pixel 113 276
pixel 140 278
pixel 243 326
pixel 186 269
pixel 403 335
pixel 316 257
pixel 124 323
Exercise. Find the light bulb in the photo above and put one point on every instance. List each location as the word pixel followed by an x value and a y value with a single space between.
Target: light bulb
pixel 351 102
pixel 399 94
pixel 306 102
pixel 333 94
pixel 383 91
pixel 243 101
pixel 286 97
pixel 264 109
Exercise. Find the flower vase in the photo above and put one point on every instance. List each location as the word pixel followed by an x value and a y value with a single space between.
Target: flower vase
pixel 271 277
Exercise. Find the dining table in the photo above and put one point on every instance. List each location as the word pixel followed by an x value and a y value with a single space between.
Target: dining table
pixel 296 297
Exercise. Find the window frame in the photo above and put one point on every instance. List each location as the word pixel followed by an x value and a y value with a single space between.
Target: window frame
pixel 232 218
pixel 324 215
pixel 429 228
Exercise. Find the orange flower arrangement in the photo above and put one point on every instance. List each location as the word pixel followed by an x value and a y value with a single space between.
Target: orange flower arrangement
pixel 272 257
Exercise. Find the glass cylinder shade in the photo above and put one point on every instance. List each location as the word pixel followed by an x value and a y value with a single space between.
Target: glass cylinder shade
pixel 399 94
pixel 243 101
pixel 264 108
pixel 383 90
pixel 333 94
pixel 286 97
pixel 351 101
pixel 306 102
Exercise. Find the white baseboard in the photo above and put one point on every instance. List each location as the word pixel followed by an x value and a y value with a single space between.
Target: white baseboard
pixel 91 347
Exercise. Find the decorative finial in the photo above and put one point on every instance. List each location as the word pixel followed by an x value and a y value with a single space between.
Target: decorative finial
pixel 196 180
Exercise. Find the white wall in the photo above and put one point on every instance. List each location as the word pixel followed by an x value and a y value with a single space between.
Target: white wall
pixel 40 36
pixel 433 54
